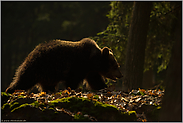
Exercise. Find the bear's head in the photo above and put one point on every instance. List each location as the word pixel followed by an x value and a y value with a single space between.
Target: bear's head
pixel 110 66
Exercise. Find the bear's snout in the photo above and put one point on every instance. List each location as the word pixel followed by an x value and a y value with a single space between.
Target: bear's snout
pixel 114 75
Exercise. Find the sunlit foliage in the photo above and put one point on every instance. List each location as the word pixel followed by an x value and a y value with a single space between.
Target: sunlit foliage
pixel 160 34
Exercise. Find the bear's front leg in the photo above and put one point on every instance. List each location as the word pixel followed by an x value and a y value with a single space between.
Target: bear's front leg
pixel 96 81
pixel 73 84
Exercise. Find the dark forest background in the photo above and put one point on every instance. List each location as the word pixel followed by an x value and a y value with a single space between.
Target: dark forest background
pixel 26 24
pixel 146 38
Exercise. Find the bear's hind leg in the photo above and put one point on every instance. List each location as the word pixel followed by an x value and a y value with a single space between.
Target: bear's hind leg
pixel 20 84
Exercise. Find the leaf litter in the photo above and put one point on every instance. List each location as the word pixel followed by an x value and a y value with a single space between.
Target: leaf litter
pixel 125 102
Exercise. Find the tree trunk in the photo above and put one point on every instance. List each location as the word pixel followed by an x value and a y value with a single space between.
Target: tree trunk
pixel 134 64
pixel 172 100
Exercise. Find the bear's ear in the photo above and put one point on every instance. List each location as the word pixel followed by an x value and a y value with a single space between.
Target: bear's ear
pixel 105 51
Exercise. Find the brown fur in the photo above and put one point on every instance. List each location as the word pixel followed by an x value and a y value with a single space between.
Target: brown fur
pixel 66 61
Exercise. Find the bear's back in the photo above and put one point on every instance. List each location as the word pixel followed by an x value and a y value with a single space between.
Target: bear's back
pixel 62 45
pixel 63 55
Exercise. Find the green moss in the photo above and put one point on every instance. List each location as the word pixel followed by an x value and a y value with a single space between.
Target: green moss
pixel 51 108
pixel 6 105
pixel 4 98
pixel 21 96
pixel 15 104
pixel 141 93
pixel 11 105
pixel 56 112
pixel 132 112
pixel 35 104
pixel 41 105
pixel 159 107
pixel 5 94
pixel 21 106
pixel 87 106
pixel 95 108
pixel 96 97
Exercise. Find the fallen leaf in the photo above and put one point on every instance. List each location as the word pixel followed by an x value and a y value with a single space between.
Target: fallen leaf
pixel 89 96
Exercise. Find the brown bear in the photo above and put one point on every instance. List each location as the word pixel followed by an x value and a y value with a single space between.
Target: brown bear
pixel 68 62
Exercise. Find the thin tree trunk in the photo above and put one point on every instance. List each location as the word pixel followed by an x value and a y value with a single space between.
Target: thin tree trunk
pixel 134 63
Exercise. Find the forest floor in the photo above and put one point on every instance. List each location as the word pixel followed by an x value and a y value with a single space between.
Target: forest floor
pixel 70 105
